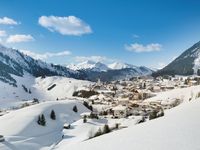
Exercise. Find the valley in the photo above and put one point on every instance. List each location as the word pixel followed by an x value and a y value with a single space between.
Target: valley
pixel 99 75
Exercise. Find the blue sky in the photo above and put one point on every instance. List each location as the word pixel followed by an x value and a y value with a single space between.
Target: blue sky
pixel 150 33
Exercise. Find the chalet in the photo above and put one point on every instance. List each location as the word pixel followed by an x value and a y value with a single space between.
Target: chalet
pixel 120 111
pixel 66 126
pixel 192 82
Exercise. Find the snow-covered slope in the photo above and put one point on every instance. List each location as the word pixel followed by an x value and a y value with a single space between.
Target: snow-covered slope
pixel 184 94
pixel 119 65
pixel 22 132
pixel 177 130
pixel 11 96
pixel 14 62
pixel 64 87
pixel 188 63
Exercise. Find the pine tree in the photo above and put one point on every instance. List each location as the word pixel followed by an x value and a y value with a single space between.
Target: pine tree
pixel 106 129
pixel 39 120
pixel 153 115
pixel 29 91
pixel 53 115
pixel 75 109
pixel 84 119
pixel 98 133
pixel 91 108
pixel 144 86
pixel 43 120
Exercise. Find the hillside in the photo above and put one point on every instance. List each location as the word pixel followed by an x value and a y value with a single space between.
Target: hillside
pixel 177 130
pixel 38 88
pixel 22 131
pixel 186 64
pixel 13 62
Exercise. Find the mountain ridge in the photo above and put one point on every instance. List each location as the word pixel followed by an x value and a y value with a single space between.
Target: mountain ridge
pixel 187 63
pixel 15 62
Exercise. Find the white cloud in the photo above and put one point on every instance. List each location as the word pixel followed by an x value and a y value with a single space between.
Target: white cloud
pixel 8 21
pixel 70 25
pixel 17 38
pixel 93 58
pixel 2 33
pixel 45 55
pixel 135 47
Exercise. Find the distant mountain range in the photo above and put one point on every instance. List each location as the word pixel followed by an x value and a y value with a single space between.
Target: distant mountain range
pixel 89 65
pixel 114 71
pixel 15 63
pixel 99 67
pixel 188 63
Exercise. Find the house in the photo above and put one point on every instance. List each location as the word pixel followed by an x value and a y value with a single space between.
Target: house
pixel 192 82
pixel 66 126
pixel 99 88
pixel 120 111
pixel 87 114
pixel 156 88
pixel 123 101
pixel 170 103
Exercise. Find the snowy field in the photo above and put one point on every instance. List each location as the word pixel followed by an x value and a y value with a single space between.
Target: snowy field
pixel 183 94
pixel 22 132
pixel 14 96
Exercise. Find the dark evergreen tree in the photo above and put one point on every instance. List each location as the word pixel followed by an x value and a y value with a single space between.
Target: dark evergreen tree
pixel 98 133
pixel 85 104
pixel 39 120
pixel 144 85
pixel 84 119
pixel 91 108
pixel 29 91
pixel 88 106
pixel 43 120
pixel 106 129
pixel 75 109
pixel 53 115
pixel 153 115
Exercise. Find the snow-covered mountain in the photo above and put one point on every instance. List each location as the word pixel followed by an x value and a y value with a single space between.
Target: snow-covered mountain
pixel 114 71
pixel 188 63
pixel 14 62
pixel 120 65
pixel 89 65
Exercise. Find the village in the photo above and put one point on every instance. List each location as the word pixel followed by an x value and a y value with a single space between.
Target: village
pixel 120 99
